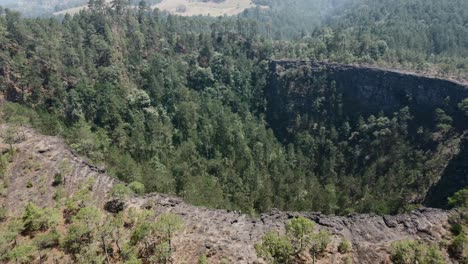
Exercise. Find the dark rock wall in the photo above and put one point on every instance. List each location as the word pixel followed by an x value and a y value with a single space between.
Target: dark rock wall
pixel 369 90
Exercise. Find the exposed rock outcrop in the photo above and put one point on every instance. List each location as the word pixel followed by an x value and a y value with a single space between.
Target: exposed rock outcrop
pixel 365 90
pixel 220 234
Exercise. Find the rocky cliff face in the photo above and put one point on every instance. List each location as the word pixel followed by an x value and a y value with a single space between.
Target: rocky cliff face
pixel 221 235
pixel 366 90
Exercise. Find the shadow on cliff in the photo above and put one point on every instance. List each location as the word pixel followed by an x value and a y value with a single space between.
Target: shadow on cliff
pixel 453 179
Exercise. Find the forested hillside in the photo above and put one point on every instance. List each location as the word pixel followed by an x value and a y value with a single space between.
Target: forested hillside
pixel 58 208
pixel 428 36
pixel 179 104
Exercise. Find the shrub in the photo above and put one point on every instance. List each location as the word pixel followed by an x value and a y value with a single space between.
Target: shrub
pixel 459 248
pixel 47 240
pixel 80 199
pixel 57 179
pixel 29 184
pixel 275 248
pixel 203 259
pixel 344 246
pixel 14 227
pixel 410 251
pixel 120 191
pixel 463 106
pixel 133 260
pixel 90 216
pixel 348 260
pixel 300 231
pixel 137 187
pixel 321 241
pixel 129 254
pixel 22 253
pixel 167 224
pixel 299 237
pixel 3 189
pixel 3 214
pixel 155 235
pixel 83 229
pixel 459 199
pixel 456 228
pixel 77 236
pixel 37 219
pixel 59 194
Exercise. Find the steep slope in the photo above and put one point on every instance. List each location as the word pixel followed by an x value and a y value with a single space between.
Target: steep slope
pixel 304 96
pixel 366 90
pixel 454 177
pixel 36 161
pixel 219 234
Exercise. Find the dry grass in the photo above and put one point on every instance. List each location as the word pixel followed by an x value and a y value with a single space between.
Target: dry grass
pixel 71 11
pixel 228 7
pixel 192 8
pixel 74 10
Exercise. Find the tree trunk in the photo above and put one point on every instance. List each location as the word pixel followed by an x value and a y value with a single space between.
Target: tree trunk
pixel 105 248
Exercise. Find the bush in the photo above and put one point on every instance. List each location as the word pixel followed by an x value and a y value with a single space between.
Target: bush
pixel 137 187
pixel 300 231
pixel 275 248
pixel 80 199
pixel 463 106
pixel 3 214
pixel 47 240
pixel 129 254
pixel 3 189
pixel 299 237
pixel 344 246
pixel 321 241
pixel 22 253
pixel 203 259
pixel 409 252
pixel 459 248
pixel 155 235
pixel 29 184
pixel 120 191
pixel 459 199
pixel 37 219
pixel 83 229
pixel 133 260
pixel 76 238
pixel 57 179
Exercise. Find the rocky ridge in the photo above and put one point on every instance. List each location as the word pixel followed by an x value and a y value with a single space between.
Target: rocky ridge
pixel 219 234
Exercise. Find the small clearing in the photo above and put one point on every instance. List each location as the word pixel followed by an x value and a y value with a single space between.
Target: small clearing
pixel 192 8
pixel 71 11
pixel 188 7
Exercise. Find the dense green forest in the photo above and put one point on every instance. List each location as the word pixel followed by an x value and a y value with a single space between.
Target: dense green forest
pixel 178 103
pixel 427 36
